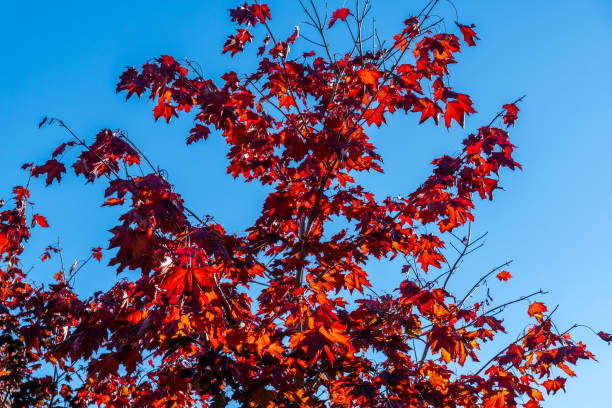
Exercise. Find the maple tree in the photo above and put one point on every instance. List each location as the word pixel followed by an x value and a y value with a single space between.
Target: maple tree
pixel 192 330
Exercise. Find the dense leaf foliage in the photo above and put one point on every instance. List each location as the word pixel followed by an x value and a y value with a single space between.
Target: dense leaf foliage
pixel 282 314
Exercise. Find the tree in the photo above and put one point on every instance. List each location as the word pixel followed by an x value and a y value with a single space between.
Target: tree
pixel 283 314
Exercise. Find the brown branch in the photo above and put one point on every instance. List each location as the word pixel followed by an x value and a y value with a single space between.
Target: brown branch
pixel 461 255
pixel 482 279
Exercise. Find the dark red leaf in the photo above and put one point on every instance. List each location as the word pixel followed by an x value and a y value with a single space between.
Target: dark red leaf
pixel 52 168
pixel 605 336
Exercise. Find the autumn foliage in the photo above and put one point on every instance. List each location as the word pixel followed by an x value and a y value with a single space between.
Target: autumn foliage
pixel 283 314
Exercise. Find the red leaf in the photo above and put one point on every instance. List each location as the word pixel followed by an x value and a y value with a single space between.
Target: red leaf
pixel 294 36
pixel 504 276
pixel 164 109
pixel 262 49
pixel 454 110
pixel 468 34
pixel 511 114
pixel 428 109
pixel 375 116
pixel 61 148
pixel 251 14
pixel 111 201
pixel 356 279
pixel 97 253
pixel 235 43
pixel 261 12
pixel 340 14
pixel 47 254
pixel 182 280
pixel 40 220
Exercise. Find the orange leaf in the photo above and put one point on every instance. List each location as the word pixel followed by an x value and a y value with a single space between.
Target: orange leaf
pixel 554 385
pixel 537 309
pixel 368 76
pixel 504 276
pixel 375 116
pixel 286 102
pixel 496 401
pixel 567 370
pixel 334 335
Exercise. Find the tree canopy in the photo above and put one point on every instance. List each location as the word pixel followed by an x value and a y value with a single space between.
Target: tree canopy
pixel 283 314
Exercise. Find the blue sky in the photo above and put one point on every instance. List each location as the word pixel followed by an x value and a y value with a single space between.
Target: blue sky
pixel 63 59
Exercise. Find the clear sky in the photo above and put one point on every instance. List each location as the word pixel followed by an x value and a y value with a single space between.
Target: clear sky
pixel 553 219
